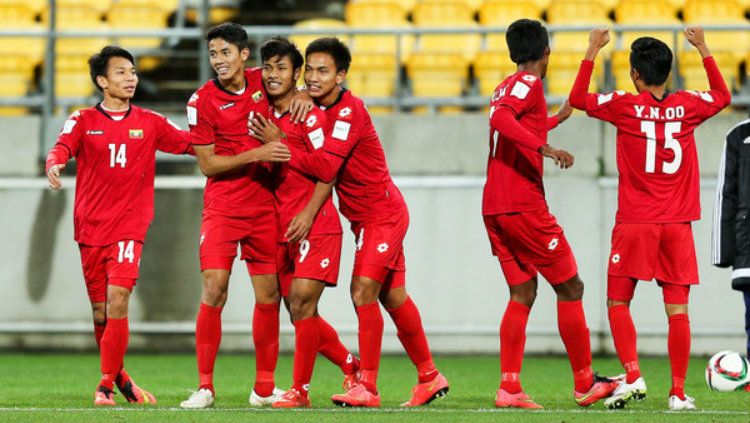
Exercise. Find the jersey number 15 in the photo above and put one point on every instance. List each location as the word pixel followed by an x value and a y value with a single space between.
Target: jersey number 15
pixel 670 128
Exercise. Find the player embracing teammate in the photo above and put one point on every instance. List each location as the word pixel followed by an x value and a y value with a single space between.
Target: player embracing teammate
pixel 658 196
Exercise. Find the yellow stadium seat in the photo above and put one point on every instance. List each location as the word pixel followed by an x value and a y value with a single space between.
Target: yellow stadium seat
pixel 216 14
pixel 562 70
pixel 503 13
pixel 372 75
pixel 491 68
pixel 72 76
pixel 576 12
pixel 378 14
pixel 446 14
pixel 473 5
pixel 139 14
pixel 17 13
pixel 437 75
pixel 646 12
pixel 700 12
pixel 327 27
pixel 375 12
pixel 694 75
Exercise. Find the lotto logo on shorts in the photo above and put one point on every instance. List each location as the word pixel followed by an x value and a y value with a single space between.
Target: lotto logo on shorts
pixel 615 258
pixel 382 247
pixel 325 263
pixel 553 244
pixel 203 238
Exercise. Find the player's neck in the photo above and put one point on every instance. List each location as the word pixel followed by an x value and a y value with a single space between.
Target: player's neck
pixel 331 97
pixel 658 91
pixel 281 103
pixel 236 83
pixel 115 104
pixel 534 68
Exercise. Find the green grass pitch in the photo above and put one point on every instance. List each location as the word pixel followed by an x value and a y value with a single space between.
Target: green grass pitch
pixel 60 388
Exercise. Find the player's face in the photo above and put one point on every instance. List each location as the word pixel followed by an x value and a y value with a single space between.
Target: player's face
pixel 226 59
pixel 321 76
pixel 279 76
pixel 121 79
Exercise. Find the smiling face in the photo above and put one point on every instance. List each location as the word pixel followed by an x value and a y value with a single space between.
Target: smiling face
pixel 121 79
pixel 279 76
pixel 227 60
pixel 322 78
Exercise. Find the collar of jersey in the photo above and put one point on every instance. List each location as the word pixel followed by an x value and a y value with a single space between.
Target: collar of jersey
pixel 104 112
pixel 219 86
pixel 338 100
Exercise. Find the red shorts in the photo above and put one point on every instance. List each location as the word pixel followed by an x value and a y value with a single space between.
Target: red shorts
pixel 256 236
pixel 115 264
pixel 380 249
pixel 622 289
pixel 316 258
pixel 530 241
pixel 661 251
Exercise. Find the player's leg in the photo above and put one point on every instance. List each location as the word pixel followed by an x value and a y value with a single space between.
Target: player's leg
pixel 431 384
pixel 678 343
pixel 114 341
pixel 265 337
pixel 620 292
pixel 303 307
pixel 746 295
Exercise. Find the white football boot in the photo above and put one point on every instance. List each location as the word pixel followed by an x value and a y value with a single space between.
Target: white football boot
pixel 625 393
pixel 676 404
pixel 258 401
pixel 202 398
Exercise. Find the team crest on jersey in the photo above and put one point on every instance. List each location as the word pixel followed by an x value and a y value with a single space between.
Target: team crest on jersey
pixel 135 134
pixel 311 121
pixel 346 111
pixel 257 96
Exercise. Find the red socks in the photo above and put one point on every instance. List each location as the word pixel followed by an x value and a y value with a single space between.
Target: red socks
pixel 113 345
pixel 411 334
pixel 512 343
pixel 207 340
pixel 306 343
pixel 266 340
pixel 370 340
pixel 571 323
pixel 625 338
pixel 331 347
pixel 678 345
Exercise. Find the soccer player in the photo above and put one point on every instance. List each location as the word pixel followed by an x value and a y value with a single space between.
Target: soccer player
pixel 658 196
pixel 309 234
pixel 238 209
pixel 524 236
pixel 114 144
pixel 730 236
pixel 368 198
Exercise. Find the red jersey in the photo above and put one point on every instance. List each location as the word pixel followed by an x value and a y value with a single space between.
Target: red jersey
pixel 518 128
pixel 293 188
pixel 114 197
pixel 656 154
pixel 217 116
pixel 352 153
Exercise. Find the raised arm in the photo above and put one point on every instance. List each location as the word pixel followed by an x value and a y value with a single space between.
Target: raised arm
pixel 716 83
pixel 598 38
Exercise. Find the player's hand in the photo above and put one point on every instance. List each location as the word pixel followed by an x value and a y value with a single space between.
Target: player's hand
pixel 565 110
pixel 598 37
pixel 264 130
pixel 300 106
pixel 273 152
pixel 299 227
pixel 53 176
pixel 694 35
pixel 562 158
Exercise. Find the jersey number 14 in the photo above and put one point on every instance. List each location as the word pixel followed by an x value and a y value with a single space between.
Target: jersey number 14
pixel 117 155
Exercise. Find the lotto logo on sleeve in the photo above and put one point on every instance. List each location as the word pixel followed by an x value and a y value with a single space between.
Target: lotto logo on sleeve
pixel 311 121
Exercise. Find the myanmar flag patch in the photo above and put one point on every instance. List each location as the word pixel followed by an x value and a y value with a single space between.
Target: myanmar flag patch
pixel 257 96
pixel 136 134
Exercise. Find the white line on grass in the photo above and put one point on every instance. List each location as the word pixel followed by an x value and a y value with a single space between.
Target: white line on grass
pixel 379 410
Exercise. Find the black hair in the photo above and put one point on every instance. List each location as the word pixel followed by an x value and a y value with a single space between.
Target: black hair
pixel 333 46
pixel 652 59
pixel 280 46
pixel 527 40
pixel 230 32
pixel 99 62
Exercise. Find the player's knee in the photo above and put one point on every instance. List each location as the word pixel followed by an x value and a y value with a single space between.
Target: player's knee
pixel 570 290
pixel 98 311
pixel 524 294
pixel 301 308
pixel 117 303
pixel 364 291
